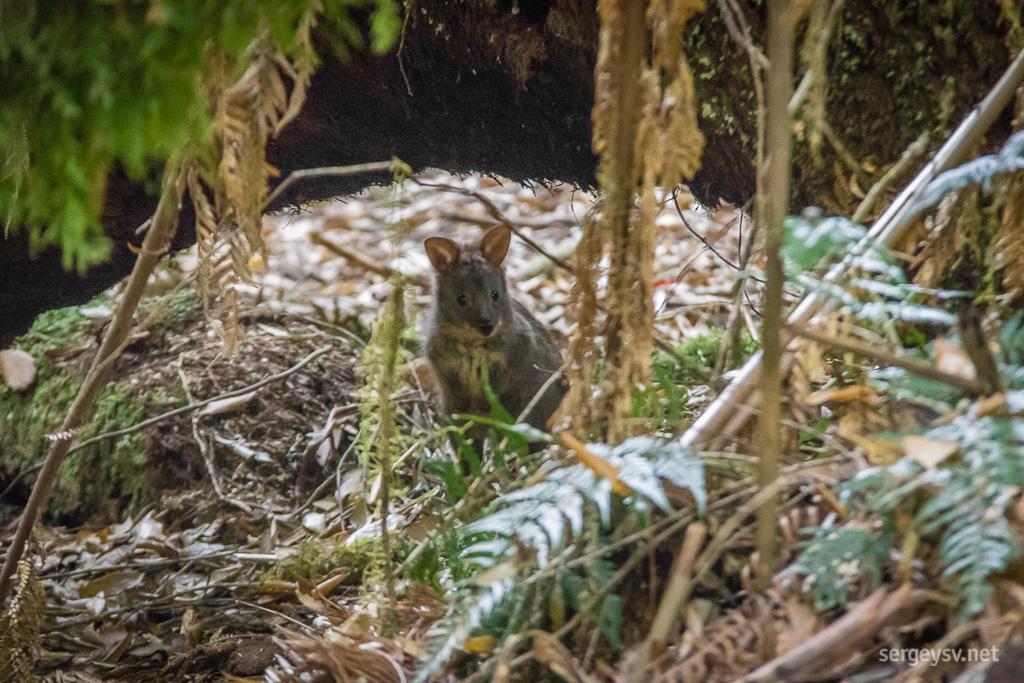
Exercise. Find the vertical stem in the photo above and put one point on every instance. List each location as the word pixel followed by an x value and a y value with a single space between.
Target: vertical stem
pixel 165 221
pixel 617 115
pixel 773 207
pixel 390 335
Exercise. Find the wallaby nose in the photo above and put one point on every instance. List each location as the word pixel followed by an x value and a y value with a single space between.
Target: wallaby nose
pixel 485 327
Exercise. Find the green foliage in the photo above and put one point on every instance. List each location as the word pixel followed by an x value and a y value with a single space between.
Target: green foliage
pixel 960 505
pixel 119 472
pixel 546 520
pixel 382 358
pixel 872 287
pixel 664 401
pixel 981 171
pixel 316 560
pixel 836 558
pixel 88 86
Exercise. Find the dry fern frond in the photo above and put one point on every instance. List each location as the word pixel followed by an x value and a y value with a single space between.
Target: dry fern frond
pixel 583 351
pixel 331 659
pixel 1011 237
pixel 657 143
pixel 19 629
pixel 736 643
pixel 228 229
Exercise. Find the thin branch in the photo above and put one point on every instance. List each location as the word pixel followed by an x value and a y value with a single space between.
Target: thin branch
pixel 911 365
pixel 206 448
pixel 199 404
pixel 774 206
pixel 737 26
pixel 818 57
pixel 916 149
pixel 360 260
pixel 496 213
pixel 703 240
pixel 154 245
pixel 327 171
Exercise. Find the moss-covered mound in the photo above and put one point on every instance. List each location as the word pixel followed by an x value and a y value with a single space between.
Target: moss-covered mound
pixel 254 441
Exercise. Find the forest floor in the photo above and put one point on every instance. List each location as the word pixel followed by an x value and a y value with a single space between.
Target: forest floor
pixel 196 585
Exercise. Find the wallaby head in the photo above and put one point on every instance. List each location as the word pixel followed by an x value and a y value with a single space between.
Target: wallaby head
pixel 470 293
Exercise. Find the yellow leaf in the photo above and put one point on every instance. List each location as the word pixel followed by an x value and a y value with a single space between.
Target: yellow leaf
pixel 480 645
pixel 598 466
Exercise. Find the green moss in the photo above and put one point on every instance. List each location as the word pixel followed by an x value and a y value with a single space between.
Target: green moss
pixel 113 474
pixel 699 356
pixel 891 75
pixel 177 311
pixel 105 477
pixel 662 405
pixel 315 560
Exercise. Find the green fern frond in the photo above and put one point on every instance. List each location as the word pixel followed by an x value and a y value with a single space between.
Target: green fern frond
pixel 543 519
pixel 836 558
pixel 965 501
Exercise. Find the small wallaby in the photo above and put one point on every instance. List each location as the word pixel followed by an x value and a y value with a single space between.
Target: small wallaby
pixel 477 330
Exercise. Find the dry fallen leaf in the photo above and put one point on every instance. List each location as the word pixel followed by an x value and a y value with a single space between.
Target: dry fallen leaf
pixel 479 645
pixel 858 392
pixel 226 404
pixel 929 452
pixel 18 368
pixel 951 359
pixel 595 464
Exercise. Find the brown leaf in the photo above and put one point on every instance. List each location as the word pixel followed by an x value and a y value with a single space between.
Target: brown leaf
pixel 112 583
pixel 857 393
pixel 951 359
pixel 929 452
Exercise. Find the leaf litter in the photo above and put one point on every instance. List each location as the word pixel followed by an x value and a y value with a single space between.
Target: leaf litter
pixel 197 582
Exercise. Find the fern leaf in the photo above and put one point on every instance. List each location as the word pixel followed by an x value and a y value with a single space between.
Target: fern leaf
pixel 19 629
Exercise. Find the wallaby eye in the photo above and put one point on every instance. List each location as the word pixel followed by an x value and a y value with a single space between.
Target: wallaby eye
pixel 494 295
pixel 461 299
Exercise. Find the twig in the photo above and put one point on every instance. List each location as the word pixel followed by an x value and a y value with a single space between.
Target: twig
pixel 703 240
pixel 737 26
pixel 775 206
pixel 154 245
pixel 141 565
pixel 349 334
pixel 360 260
pixel 18 477
pixel 673 602
pixel 818 57
pixel 205 448
pixel 717 419
pixel 720 541
pixel 911 365
pixel 199 404
pixel 328 171
pixel 916 149
pixel 860 623
pixel 540 393
pixel 500 217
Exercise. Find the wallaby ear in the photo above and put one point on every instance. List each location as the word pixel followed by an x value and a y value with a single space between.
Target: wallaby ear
pixel 443 253
pixel 494 244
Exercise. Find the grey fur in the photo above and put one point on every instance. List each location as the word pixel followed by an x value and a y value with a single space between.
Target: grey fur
pixel 490 328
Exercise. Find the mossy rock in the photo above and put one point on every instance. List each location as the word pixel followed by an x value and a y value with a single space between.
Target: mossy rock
pixel 122 474
pixel 113 474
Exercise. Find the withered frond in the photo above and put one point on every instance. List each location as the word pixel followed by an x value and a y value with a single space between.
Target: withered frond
pixel 19 628
pixel 229 228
